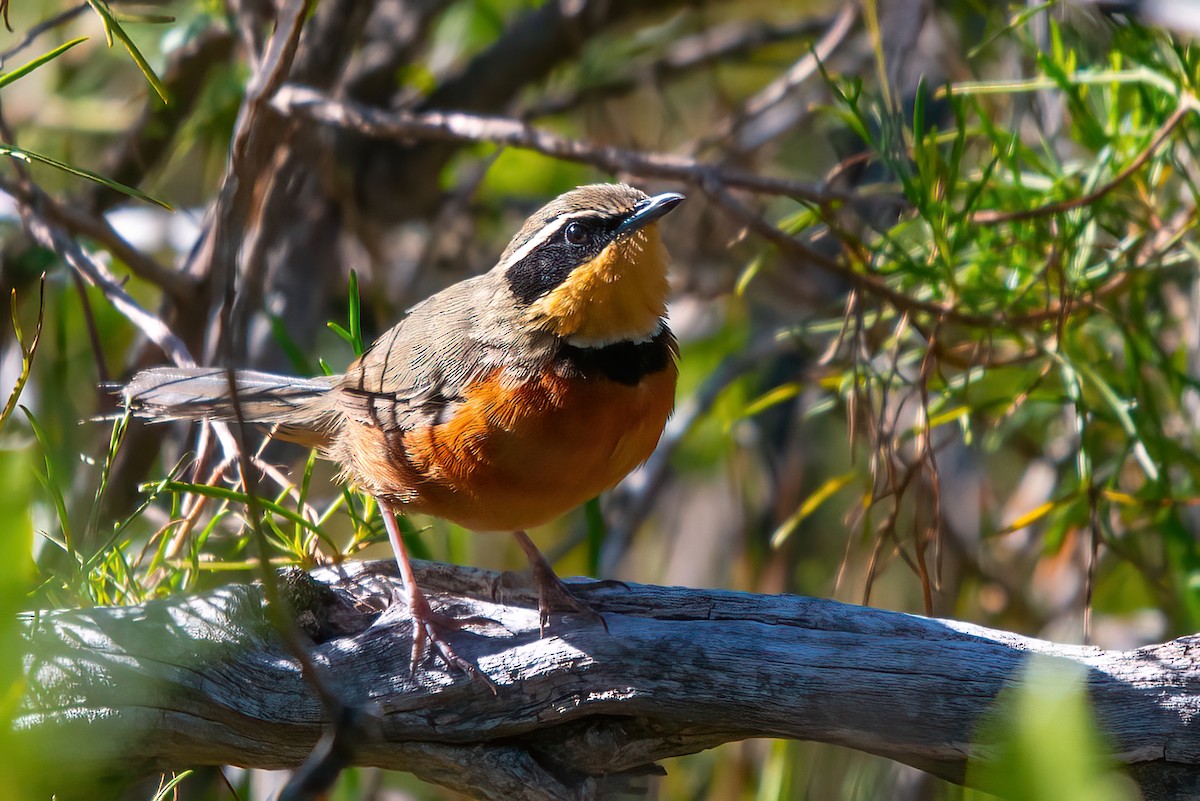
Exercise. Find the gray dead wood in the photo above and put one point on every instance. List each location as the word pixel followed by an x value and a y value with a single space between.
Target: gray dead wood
pixel 578 713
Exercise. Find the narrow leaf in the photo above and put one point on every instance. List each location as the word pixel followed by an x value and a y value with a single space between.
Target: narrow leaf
pixel 28 156
pixel 810 505
pixel 113 29
pixel 25 69
pixel 1032 516
pixel 225 494
pixel 355 316
pixel 51 482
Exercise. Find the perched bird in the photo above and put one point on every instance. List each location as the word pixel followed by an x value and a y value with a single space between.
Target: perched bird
pixel 499 403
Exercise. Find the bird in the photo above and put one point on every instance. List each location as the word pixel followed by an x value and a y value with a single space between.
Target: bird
pixel 499 403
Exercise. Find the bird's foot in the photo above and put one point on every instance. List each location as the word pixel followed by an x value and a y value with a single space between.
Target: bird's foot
pixel 430 626
pixel 555 596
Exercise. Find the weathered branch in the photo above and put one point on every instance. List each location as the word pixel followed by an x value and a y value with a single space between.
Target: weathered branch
pixel 204 680
pixel 299 101
pixel 727 41
pixel 533 45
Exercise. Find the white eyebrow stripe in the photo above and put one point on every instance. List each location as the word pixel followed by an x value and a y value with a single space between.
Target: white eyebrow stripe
pixel 545 234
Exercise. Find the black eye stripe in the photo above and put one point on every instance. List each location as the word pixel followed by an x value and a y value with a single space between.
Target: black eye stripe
pixel 549 264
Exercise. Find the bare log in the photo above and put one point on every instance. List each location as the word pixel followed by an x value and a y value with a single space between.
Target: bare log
pixel 205 680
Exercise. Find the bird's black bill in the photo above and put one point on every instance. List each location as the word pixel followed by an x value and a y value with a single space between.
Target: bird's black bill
pixel 649 210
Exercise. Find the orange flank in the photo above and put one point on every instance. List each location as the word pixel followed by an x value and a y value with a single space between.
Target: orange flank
pixel 498 463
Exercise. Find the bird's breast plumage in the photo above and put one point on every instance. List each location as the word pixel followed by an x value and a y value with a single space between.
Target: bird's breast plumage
pixel 516 451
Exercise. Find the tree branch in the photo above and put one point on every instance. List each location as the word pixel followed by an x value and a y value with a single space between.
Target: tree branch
pixel 204 680
pixel 450 126
pixel 728 41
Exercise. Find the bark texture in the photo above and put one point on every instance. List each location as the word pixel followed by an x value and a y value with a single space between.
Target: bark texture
pixel 577 713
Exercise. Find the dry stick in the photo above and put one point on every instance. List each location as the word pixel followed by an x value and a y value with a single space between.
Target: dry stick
pixel 51 236
pixel 234 206
pixel 714 181
pixel 147 141
pixel 37 30
pixel 863 281
pixel 460 127
pixel 779 89
pixel 233 209
pixel 96 273
pixel 929 458
pixel 197 680
pixel 692 52
pixel 179 286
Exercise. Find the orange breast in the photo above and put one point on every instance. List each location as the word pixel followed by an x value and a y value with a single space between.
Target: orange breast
pixel 514 457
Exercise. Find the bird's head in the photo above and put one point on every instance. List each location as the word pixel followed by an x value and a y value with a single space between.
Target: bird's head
pixel 590 267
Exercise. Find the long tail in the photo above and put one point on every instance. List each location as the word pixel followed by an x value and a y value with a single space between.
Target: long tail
pixel 295 405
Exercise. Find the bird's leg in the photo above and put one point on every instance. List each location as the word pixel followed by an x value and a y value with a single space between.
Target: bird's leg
pixel 552 592
pixel 426 622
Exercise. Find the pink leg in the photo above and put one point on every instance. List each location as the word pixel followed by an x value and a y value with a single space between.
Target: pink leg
pixel 552 593
pixel 426 623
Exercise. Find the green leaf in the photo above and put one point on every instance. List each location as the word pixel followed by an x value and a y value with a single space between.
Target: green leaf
pixel 25 69
pixel 352 331
pixel 354 316
pixel 51 482
pixel 28 349
pixel 168 790
pixel 1120 409
pixel 340 331
pixel 113 29
pixel 774 397
pixel 1044 742
pixel 810 505
pixel 28 156
pixel 596 534
pixel 226 494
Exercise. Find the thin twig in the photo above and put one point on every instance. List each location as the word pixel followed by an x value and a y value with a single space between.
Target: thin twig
pixel 233 210
pixel 93 270
pixel 179 286
pixel 460 127
pixel 778 90
pixel 712 45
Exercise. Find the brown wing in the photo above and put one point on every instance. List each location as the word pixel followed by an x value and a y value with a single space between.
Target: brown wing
pixel 413 373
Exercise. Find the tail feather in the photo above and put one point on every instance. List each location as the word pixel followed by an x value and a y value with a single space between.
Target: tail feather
pixel 203 393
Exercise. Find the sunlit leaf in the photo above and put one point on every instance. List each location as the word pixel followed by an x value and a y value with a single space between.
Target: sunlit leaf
pixel 813 502
pixel 23 70
pixel 113 29
pixel 1043 743
pixel 30 157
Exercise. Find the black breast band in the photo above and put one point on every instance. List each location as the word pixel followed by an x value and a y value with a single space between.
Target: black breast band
pixel 624 362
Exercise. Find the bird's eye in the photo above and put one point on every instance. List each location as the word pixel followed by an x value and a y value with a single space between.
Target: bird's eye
pixel 576 234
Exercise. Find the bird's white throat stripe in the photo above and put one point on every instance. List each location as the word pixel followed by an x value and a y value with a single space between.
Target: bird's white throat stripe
pixel 602 342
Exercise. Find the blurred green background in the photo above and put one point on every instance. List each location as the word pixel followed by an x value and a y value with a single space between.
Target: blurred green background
pixel 971 393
